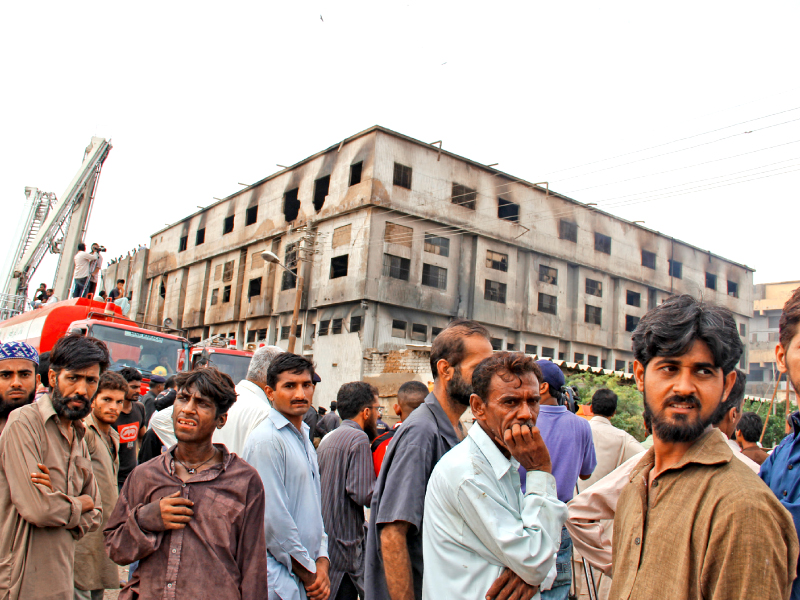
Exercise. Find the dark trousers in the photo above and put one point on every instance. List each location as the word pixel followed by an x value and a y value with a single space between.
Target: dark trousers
pixel 79 288
pixel 347 589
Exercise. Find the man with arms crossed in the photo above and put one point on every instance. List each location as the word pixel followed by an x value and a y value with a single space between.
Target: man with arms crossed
pixel 477 521
pixel 40 520
pixel 194 516
pixel 280 449
pixel 694 522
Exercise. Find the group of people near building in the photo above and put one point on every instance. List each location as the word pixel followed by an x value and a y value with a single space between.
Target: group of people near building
pixel 232 494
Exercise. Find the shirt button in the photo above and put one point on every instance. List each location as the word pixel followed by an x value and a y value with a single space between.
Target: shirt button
pixel 174 550
pixel 785 493
pixel 637 541
pixel 655 484
pixel 789 467
pixel 183 485
pixel 169 585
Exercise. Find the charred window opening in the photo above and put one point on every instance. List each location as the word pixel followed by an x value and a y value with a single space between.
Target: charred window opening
pixel 497 343
pixel 548 275
pixel 507 210
pixel 619 365
pixel 355 173
pixel 602 243
pixel 711 281
pixel 339 266
pixel 200 238
pixel 254 288
pixel 251 216
pixel 226 294
pixel 531 349
pixel 227 274
pixel 547 304
pixel 496 261
pixel 578 358
pixel 592 360
pixel 648 259
pixel 396 267
pixel 291 205
pixel 464 196
pixel 548 352
pixel 419 333
pixel 321 188
pixel 494 291
pixel 285 332
pixel 163 290
pixel 184 242
pixel 434 332
pixel 633 298
pixel 511 347
pixel 630 325
pixel 323 327
pixel 355 324
pixel 593 315
pixel 289 281
pixel 336 326
pixel 251 336
pixel 676 269
pixel 435 277
pixel 261 335
pixel 227 226
pixel 437 245
pixel 594 288
pixel 402 176
pixel 567 230
pixel 214 296
pixel 399 328
pixel 733 289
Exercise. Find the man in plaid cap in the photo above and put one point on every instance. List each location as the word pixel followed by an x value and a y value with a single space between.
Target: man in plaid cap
pixel 18 378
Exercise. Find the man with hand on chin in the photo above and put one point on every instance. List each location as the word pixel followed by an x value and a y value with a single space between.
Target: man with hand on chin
pixel 194 516
pixel 48 494
pixel 280 449
pixel 477 520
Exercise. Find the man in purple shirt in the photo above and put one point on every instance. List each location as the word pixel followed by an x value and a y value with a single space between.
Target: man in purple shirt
pixel 568 438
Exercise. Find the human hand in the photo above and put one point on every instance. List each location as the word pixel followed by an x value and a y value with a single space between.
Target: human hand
pixel 87 503
pixel 509 586
pixel 175 511
pixel 42 478
pixel 525 443
pixel 320 589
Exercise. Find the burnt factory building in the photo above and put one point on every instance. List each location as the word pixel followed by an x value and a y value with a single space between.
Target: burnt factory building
pixel 394 238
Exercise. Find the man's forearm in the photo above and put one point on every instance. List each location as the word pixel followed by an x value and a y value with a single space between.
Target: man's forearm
pixel 397 561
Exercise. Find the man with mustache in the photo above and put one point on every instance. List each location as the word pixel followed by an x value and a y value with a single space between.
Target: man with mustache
pixel 130 425
pixel 694 522
pixel 394 564
pixel 18 378
pixel 40 521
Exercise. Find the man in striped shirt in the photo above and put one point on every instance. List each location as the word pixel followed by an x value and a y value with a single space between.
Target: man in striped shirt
pixel 347 478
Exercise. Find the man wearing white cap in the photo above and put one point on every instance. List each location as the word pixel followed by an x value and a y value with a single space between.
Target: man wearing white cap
pixel 18 378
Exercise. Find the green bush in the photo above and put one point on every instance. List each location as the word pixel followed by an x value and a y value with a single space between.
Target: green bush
pixel 630 404
pixel 776 427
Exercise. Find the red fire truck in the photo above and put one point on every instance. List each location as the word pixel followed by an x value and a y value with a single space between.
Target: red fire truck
pixel 129 344
pixel 217 351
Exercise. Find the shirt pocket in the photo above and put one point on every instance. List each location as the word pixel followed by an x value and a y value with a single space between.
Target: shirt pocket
pixel 80 470
pixel 220 518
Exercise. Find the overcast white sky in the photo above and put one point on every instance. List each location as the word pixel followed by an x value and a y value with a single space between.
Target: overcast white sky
pixel 197 97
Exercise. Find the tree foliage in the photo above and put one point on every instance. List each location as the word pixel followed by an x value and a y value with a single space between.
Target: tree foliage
pixel 630 404
pixel 776 427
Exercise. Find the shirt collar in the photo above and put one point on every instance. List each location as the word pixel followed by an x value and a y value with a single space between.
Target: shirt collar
pixel 549 408
pixel 709 449
pixel 45 405
pixel 442 422
pixel 500 464
pixel 280 421
pixel 601 419
pixel 351 423
pixel 255 388
pixel 168 459
pixel 91 423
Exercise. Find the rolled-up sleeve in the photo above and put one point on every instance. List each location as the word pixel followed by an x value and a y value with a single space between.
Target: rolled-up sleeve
pixel 526 545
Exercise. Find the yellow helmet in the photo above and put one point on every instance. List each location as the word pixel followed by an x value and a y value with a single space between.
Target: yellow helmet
pixel 159 370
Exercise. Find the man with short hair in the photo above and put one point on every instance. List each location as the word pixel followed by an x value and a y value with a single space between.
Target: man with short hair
pixel 149 399
pixel 612 446
pixel 18 377
pixel 329 422
pixel 477 521
pixel 568 438
pixel 194 516
pixel 130 425
pixel 780 471
pixel 410 396
pixel 94 571
pixel 41 517
pixel 84 266
pixel 118 291
pixel 280 450
pixel 347 480
pixel 394 565
pixel 693 522
pixel 748 432
pixel 727 416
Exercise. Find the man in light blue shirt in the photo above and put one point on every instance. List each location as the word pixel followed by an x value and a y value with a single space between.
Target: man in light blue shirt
pixel 280 450
pixel 477 521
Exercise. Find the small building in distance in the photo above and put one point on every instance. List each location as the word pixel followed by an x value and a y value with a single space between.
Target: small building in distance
pixel 768 301
pixel 396 237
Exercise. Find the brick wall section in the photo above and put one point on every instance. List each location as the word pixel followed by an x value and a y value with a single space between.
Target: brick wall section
pixel 398 361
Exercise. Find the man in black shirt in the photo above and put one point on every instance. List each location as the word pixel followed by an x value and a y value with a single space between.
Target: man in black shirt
pixel 149 400
pixel 130 425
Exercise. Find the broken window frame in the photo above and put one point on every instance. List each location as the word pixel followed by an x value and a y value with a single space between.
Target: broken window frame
pixel 548 275
pixel 324 327
pixel 633 298
pixel 547 303
pixel 593 315
pixel 419 332
pixel 462 195
pixel 355 173
pixel 507 210
pixel 323 184
pixel 402 176
pixel 254 288
pixel 183 243
pixel 396 328
pixel 436 244
pixel 649 259
pixel 228 224
pixel 602 243
pixel 396 267
pixel 226 294
pixel 251 215
pixel 631 322
pixel 568 230
pixel 200 236
pixel 593 287
pixel 495 291
pixel 339 266
pixel 497 261
pixel 291 204
pixel 433 276
pixel 290 261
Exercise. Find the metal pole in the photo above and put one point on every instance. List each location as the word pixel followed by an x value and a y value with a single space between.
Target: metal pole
pixel 589 576
pixel 771 403
pixel 297 297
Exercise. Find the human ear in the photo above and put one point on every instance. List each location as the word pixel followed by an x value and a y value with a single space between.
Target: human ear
pixel 52 377
pixel 477 406
pixel 222 419
pixel 780 358
pixel 444 369
pixel 638 373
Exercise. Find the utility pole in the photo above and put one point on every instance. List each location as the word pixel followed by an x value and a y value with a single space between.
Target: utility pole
pixel 305 254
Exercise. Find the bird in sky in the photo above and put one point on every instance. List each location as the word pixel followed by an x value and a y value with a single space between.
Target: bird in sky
pixel 321 19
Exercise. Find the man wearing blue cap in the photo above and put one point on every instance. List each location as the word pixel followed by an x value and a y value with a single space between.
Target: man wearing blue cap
pixel 18 378
pixel 569 440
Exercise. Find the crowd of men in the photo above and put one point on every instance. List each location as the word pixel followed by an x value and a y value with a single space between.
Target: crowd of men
pixel 210 489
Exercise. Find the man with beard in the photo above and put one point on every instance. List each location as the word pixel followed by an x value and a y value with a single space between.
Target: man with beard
pixel 780 471
pixel 131 425
pixel 41 521
pixel 18 378
pixel 394 564
pixel 347 478
pixel 693 522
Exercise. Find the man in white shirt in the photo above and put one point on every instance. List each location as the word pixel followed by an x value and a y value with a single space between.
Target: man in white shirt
pixel 84 267
pixel 612 445
pixel 477 521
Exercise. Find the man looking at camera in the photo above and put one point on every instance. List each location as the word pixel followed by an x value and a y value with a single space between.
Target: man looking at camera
pixel 48 494
pixel 194 516
pixel 477 521
pixel 19 363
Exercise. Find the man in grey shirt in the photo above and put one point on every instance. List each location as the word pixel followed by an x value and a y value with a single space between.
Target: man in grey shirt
pixel 394 538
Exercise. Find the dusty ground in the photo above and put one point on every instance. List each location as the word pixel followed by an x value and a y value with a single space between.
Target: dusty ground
pixel 114 594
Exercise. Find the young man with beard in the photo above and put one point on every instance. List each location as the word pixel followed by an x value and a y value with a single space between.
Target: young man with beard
pixel 394 565
pixel 347 479
pixel 780 471
pixel 282 453
pixel 94 571
pixel 694 522
pixel 18 377
pixel 131 425
pixel 41 521
pixel 477 520
pixel 194 516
